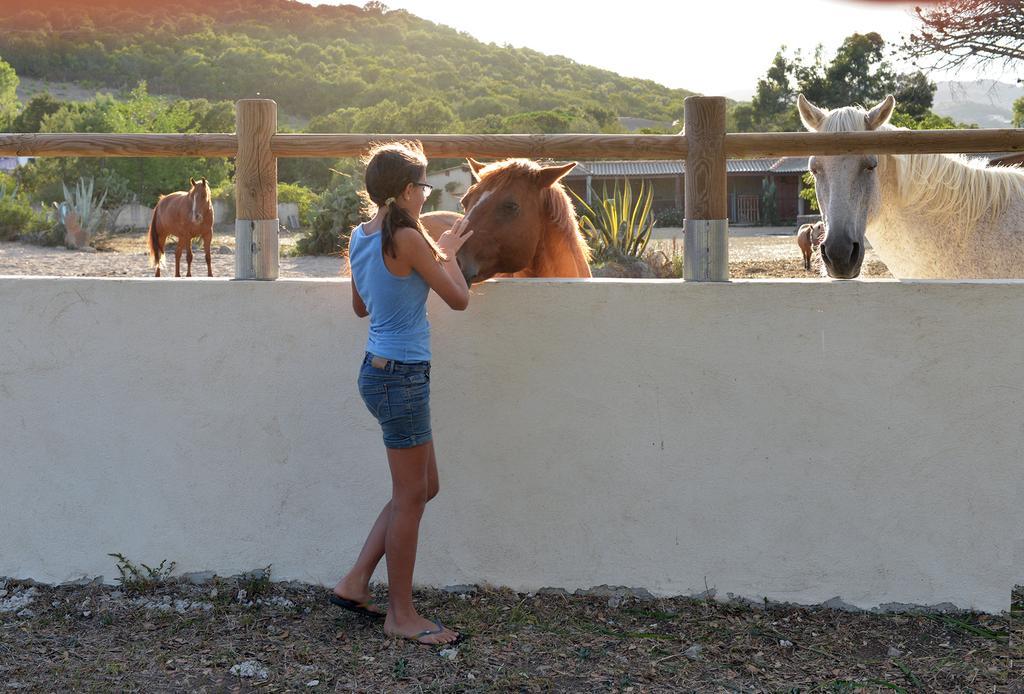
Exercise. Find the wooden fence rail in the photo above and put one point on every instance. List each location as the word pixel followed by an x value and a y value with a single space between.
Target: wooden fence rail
pixel 704 145
pixel 736 145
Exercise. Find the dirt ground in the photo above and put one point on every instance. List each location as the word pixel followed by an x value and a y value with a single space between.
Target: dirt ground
pixel 124 255
pixel 248 633
pixel 767 257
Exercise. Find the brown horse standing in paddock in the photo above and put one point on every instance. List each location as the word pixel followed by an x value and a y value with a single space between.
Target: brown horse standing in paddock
pixel 184 216
pixel 808 237
pixel 524 224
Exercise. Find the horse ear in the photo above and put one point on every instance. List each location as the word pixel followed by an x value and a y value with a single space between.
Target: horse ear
pixel 191 181
pixel 475 167
pixel 811 115
pixel 550 174
pixel 879 115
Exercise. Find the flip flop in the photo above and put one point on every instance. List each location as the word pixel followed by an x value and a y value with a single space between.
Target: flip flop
pixel 415 638
pixel 360 608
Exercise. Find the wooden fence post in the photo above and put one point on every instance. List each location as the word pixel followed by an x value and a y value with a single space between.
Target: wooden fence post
pixel 256 223
pixel 706 243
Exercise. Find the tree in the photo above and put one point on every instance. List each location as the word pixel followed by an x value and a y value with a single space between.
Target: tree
pixel 339 121
pixel 1018 113
pixel 31 118
pixel 380 118
pixel 9 103
pixel 914 94
pixel 127 177
pixel 957 33
pixel 858 75
pixel 427 116
pixel 772 105
pixel 742 118
pixel 928 121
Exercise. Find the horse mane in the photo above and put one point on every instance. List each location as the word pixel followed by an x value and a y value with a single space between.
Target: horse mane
pixel 557 202
pixel 939 185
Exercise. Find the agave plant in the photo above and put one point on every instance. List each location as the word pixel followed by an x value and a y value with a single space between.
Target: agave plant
pixel 80 201
pixel 3 192
pixel 619 226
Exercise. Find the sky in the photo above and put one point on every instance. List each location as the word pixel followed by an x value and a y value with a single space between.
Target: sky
pixel 670 42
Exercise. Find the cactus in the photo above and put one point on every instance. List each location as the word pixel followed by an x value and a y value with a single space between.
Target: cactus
pixel 619 226
pixel 85 208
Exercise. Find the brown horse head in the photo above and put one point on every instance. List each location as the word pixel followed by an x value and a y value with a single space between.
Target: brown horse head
pixel 523 223
pixel 198 198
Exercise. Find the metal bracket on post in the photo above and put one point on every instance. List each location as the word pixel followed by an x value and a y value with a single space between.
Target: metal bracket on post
pixel 256 249
pixel 706 250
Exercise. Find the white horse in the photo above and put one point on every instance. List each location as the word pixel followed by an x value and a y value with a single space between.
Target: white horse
pixel 926 215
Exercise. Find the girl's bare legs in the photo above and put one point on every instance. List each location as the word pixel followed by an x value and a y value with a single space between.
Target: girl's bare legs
pixel 355 584
pixel 411 470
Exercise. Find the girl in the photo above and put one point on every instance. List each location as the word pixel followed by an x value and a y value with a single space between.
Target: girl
pixel 394 266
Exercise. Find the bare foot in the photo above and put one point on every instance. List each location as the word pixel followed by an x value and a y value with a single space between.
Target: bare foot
pixel 420 630
pixel 357 593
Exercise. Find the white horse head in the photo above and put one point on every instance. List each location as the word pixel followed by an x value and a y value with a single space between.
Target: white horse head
pixel 926 215
pixel 848 190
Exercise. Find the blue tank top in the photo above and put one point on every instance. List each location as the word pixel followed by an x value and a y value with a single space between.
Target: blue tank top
pixel 399 328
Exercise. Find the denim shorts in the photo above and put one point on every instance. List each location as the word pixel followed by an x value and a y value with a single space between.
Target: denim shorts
pixel 399 397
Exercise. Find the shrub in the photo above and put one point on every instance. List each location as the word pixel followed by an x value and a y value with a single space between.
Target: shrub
pixel 141 578
pixel 672 217
pixel 19 219
pixel 807 192
pixel 286 192
pixel 225 192
pixel 335 212
pixel 301 195
pixel 618 227
pixel 768 203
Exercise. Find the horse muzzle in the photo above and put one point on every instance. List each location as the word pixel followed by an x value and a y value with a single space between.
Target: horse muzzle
pixel 468 266
pixel 842 258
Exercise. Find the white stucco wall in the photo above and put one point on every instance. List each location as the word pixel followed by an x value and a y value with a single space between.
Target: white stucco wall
pixel 287 213
pixel 458 178
pixel 789 440
pixel 133 216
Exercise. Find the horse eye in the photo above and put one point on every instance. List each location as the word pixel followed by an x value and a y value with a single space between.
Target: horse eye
pixel 512 205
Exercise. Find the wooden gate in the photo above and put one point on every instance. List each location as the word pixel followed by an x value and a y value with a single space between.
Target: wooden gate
pixel 748 209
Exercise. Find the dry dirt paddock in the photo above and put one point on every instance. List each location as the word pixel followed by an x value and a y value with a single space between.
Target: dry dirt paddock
pixel 124 255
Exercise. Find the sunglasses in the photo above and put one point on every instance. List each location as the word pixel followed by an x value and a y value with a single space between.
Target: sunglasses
pixel 427 188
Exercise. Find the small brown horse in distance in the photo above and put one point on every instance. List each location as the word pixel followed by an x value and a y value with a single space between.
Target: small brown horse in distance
pixel 183 216
pixel 524 224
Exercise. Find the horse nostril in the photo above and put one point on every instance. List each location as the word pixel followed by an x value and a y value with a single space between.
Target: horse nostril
pixel 855 253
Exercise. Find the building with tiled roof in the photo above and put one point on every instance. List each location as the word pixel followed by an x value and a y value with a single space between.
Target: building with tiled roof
pixel 745 180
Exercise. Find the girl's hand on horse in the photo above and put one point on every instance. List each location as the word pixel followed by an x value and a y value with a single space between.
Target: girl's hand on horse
pixel 453 239
pixel 444 278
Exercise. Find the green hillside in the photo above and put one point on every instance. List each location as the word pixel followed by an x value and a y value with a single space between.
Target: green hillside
pixel 346 68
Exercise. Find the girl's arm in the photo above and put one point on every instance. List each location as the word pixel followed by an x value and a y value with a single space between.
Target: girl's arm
pixel 357 302
pixel 445 278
